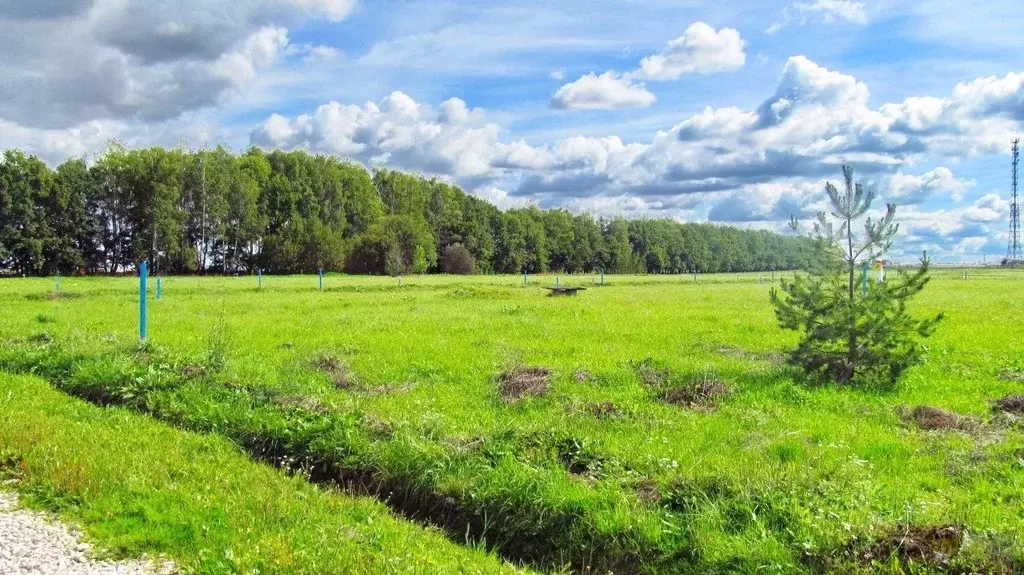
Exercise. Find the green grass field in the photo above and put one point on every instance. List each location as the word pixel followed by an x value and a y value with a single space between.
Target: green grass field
pixel 393 391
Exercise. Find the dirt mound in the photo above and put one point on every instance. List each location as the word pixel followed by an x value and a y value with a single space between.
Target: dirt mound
pixel 522 381
pixel 933 418
pixel 1010 403
pixel 582 376
pixel 702 391
pixel 931 545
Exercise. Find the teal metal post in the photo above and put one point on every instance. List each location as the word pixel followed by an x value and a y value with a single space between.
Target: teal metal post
pixel 143 276
pixel 399 281
pixel 602 277
pixel 321 280
pixel 259 278
pixel 57 285
pixel 526 277
pixel 557 281
pixel 159 288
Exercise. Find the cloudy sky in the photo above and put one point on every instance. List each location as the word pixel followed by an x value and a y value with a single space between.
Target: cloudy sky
pixel 728 111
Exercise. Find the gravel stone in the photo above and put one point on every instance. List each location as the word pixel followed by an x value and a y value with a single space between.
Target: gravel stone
pixel 32 544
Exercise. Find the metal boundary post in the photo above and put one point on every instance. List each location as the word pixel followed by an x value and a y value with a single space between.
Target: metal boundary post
pixel 143 277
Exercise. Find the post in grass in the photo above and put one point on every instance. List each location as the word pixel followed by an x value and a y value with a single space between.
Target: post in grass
pixel 56 285
pixel 159 288
pixel 602 277
pixel 526 277
pixel 320 274
pixel 259 278
pixel 557 281
pixel 143 276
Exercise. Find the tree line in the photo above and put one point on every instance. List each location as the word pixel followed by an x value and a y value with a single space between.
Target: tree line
pixel 212 211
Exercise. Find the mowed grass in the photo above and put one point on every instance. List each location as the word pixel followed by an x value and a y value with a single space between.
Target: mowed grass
pixel 776 476
pixel 137 486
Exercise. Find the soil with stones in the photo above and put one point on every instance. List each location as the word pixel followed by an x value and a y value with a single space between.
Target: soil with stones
pixel 31 544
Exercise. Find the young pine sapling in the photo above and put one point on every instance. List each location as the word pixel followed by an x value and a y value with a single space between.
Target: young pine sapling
pixel 852 334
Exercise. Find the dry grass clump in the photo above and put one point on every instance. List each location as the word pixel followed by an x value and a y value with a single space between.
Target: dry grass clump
pixel 1012 375
pixel 602 409
pixel 651 373
pixel 302 402
pixel 337 370
pixel 582 376
pixel 699 391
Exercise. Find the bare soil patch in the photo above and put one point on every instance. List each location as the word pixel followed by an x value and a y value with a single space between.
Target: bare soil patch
pixel 647 491
pixel 704 391
pixel 932 545
pixel 1010 403
pixel 521 381
pixel 934 418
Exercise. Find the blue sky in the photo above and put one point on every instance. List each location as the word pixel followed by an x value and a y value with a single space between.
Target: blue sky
pixel 734 112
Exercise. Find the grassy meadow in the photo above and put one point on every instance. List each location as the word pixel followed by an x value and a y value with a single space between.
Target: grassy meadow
pixel 648 425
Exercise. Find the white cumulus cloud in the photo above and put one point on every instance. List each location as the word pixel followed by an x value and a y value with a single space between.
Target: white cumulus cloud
pixel 824 11
pixel 609 90
pixel 700 50
pixel 914 189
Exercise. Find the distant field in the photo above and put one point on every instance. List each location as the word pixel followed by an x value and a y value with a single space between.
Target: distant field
pixel 612 462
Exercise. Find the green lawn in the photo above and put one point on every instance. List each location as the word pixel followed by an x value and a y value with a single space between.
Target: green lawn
pixel 597 473
pixel 139 486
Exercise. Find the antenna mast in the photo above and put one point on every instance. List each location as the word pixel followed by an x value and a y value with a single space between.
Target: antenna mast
pixel 1013 250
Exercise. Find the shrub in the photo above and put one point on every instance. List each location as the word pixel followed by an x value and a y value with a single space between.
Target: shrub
pixel 457 260
pixel 853 334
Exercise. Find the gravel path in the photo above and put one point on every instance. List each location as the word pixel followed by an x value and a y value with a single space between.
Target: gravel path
pixel 31 544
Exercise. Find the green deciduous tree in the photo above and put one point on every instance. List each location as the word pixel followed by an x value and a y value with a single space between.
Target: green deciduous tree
pixel 285 212
pixel 851 334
